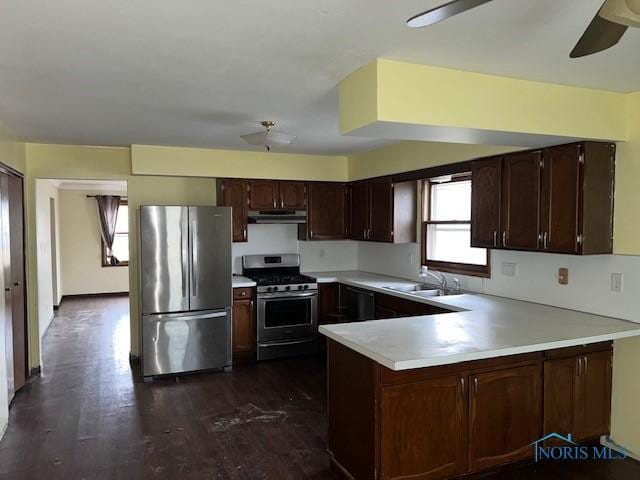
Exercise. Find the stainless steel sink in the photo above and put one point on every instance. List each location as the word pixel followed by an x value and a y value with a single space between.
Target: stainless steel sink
pixel 421 290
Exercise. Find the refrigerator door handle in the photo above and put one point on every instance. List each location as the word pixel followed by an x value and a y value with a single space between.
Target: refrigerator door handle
pixel 167 317
pixel 184 253
pixel 194 258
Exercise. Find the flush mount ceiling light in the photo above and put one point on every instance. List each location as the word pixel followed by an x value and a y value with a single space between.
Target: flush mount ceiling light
pixel 604 31
pixel 268 138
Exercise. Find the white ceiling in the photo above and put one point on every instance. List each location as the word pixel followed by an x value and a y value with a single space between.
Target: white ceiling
pixel 203 72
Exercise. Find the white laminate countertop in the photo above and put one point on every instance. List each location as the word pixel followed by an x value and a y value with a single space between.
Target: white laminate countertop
pixel 480 326
pixel 239 281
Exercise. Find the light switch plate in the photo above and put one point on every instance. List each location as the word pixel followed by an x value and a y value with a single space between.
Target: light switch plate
pixel 509 269
pixel 616 282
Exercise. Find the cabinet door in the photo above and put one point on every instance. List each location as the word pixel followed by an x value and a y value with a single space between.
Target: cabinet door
pixel 292 196
pixel 327 217
pixel 505 416
pixel 423 429
pixel 263 194
pixel 235 195
pixel 559 407
pixel 359 210
pixel 381 204
pixel 328 299
pixel 486 178
pixel 244 328
pixel 594 395
pixel 560 199
pixel 521 200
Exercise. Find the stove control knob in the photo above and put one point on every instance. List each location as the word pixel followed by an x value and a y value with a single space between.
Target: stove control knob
pixel 306 287
pixel 269 289
pixel 287 288
pixel 275 289
pixel 299 287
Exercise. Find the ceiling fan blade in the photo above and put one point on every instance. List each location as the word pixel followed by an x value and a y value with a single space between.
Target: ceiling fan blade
pixel 599 35
pixel 443 12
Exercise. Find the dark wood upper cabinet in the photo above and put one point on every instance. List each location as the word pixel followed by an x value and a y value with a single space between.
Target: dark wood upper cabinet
pixel 423 429
pixel 521 200
pixel 381 217
pixel 235 194
pixel 327 212
pixel 505 416
pixel 577 198
pixel 560 198
pixel 292 196
pixel 384 211
pixel 557 200
pixel 263 194
pixel 359 210
pixel 486 178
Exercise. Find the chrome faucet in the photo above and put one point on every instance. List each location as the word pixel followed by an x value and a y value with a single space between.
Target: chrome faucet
pixel 438 276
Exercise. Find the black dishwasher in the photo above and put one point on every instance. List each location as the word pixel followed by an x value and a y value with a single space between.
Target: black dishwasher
pixel 361 304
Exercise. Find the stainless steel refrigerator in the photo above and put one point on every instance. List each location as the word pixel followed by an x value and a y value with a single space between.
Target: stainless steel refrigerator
pixel 185 279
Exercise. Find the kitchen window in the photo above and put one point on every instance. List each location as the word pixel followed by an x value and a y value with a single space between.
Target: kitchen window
pixel 446 230
pixel 121 239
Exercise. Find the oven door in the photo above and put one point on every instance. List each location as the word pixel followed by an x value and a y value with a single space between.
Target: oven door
pixel 283 316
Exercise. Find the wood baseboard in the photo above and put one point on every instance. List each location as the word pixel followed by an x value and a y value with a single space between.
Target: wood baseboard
pixel 134 359
pixel 35 371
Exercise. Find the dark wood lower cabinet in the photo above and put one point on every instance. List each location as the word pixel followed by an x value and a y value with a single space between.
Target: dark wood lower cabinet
pixel 389 306
pixel 577 393
pixel 244 325
pixel 423 429
pixel 441 422
pixel 505 413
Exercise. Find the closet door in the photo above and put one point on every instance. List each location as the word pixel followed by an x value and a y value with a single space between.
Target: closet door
pixel 18 297
pixel 6 267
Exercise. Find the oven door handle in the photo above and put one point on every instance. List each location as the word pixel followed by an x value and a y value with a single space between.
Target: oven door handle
pixel 279 296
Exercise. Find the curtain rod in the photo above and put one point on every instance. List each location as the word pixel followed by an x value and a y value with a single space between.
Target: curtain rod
pixel 95 196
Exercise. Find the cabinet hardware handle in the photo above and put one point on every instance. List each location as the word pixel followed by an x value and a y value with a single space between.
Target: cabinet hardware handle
pixel 579 366
pixel 586 366
pixel 545 237
pixel 475 384
pixel 504 238
pixel 495 238
pixel 461 384
pixel 244 232
pixel 7 289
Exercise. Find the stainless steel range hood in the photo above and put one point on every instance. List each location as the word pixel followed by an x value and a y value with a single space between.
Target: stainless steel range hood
pixel 284 216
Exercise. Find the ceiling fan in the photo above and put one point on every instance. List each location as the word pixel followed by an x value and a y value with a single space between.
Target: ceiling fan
pixel 604 31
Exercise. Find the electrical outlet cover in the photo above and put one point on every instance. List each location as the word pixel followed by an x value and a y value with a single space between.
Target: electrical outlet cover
pixel 616 282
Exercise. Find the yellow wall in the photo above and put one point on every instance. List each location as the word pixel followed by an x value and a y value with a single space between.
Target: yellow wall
pixel 80 246
pixel 627 218
pixel 101 163
pixel 406 156
pixel 201 162
pixel 425 95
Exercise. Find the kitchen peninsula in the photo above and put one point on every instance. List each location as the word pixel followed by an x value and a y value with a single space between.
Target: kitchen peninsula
pixel 437 396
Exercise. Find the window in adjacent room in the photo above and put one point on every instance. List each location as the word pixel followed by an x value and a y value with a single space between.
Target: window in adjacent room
pixel 446 232
pixel 121 240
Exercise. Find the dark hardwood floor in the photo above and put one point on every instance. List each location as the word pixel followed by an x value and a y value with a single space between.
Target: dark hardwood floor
pixel 90 416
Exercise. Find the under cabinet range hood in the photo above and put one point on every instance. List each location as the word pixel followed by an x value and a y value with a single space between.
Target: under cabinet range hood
pixel 280 216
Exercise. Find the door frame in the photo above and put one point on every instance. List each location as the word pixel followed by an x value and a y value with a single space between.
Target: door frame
pixel 4 168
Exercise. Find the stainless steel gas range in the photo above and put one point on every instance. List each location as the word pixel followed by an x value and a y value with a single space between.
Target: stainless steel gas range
pixel 287 304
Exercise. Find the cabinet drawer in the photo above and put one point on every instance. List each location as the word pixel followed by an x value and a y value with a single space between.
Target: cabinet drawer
pixel 243 292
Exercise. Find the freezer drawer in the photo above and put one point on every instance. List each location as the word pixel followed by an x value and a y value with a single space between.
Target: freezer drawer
pixel 186 342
